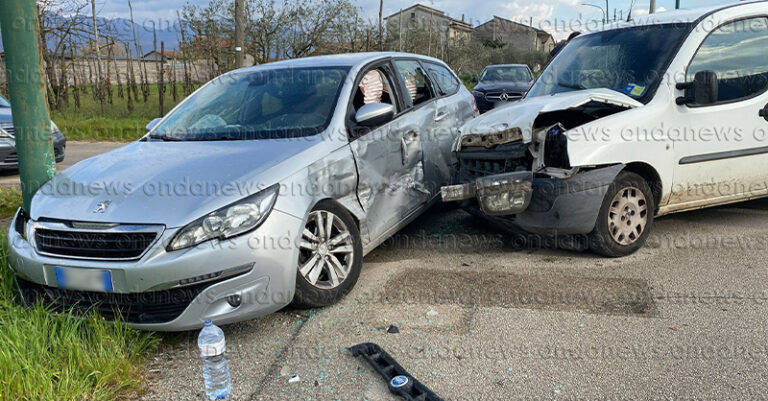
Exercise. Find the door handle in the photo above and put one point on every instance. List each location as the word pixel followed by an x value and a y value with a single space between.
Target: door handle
pixel 440 116
pixel 764 112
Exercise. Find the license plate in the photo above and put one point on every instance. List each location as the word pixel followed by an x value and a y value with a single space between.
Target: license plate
pixel 84 279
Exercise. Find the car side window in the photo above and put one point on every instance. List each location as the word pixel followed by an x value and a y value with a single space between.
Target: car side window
pixel 417 83
pixel 736 52
pixel 445 80
pixel 376 86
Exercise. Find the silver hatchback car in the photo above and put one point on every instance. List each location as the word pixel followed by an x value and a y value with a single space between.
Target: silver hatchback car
pixel 266 186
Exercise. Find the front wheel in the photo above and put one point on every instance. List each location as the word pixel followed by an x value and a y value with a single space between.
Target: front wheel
pixel 330 257
pixel 626 217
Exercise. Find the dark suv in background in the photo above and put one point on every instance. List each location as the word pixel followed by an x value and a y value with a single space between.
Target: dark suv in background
pixel 499 84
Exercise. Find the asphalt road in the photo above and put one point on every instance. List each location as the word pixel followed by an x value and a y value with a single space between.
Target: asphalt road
pixel 75 152
pixel 482 319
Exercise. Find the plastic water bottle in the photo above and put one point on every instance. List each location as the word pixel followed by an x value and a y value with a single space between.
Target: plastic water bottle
pixel 215 366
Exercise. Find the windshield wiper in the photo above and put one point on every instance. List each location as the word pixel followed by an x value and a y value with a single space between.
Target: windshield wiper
pixel 165 138
pixel 572 86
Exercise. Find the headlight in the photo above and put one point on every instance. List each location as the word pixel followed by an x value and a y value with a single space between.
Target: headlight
pixel 230 221
pixel 54 128
pixel 479 94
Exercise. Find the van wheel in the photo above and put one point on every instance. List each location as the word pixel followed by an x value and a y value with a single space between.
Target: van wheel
pixel 626 217
pixel 330 257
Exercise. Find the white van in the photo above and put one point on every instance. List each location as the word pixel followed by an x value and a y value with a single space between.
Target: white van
pixel 634 121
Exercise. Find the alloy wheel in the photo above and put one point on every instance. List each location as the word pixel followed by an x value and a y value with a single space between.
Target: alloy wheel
pixel 326 251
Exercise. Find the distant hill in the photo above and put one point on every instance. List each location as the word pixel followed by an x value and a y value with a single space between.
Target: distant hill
pixel 122 29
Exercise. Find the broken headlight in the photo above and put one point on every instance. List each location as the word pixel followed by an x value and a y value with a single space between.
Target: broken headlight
pixel 230 221
pixel 556 147
pixel 505 194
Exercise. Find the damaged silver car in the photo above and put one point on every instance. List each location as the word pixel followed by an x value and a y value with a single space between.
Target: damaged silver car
pixel 266 186
pixel 632 122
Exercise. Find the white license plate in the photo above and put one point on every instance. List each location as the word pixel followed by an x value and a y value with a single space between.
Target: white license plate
pixel 84 279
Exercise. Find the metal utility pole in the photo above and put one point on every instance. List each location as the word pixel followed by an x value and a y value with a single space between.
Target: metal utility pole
pixel 653 6
pixel 26 87
pixel 677 4
pixel 239 32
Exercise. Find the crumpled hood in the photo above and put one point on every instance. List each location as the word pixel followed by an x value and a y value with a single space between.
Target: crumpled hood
pixel 501 86
pixel 171 183
pixel 522 114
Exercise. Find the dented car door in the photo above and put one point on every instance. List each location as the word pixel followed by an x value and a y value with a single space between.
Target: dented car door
pixel 390 165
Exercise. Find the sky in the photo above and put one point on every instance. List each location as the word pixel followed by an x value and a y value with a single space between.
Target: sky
pixel 543 12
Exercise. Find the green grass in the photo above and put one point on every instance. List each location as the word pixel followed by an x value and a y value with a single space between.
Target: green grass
pixel 10 201
pixel 64 356
pixel 116 123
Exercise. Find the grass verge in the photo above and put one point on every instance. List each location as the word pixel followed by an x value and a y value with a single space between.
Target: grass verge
pixel 10 201
pixel 115 123
pixel 62 356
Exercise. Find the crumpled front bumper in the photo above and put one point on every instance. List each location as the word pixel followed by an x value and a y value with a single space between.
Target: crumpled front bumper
pixel 545 205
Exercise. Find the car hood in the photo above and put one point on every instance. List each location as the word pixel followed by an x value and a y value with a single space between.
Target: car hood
pixel 501 86
pixel 5 115
pixel 171 183
pixel 522 114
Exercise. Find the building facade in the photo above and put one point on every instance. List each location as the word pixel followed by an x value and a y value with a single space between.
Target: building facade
pixel 520 36
pixel 420 21
pixel 427 20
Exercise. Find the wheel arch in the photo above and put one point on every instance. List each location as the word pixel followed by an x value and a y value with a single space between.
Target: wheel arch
pixel 652 177
pixel 339 204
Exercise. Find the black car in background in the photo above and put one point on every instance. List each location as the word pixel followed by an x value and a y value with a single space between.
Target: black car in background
pixel 499 84
pixel 9 160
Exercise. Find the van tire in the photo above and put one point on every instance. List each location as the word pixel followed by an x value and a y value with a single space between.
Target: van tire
pixel 626 217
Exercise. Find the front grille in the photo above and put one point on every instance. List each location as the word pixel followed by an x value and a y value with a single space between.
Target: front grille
pixel 145 307
pixel 93 245
pixel 497 96
pixel 11 158
pixel 7 127
pixel 476 162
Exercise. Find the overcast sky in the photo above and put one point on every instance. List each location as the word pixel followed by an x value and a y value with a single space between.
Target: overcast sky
pixel 474 11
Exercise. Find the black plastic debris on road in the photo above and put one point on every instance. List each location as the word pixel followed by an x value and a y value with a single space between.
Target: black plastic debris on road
pixel 400 382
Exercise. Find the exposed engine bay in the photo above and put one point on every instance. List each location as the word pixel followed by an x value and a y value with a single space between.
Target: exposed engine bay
pixel 505 152
pixel 515 159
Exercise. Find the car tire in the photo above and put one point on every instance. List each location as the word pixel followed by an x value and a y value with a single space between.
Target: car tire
pixel 626 217
pixel 328 265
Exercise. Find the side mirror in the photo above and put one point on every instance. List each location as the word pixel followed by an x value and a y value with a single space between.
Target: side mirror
pixel 375 114
pixel 702 91
pixel 152 124
pixel 473 80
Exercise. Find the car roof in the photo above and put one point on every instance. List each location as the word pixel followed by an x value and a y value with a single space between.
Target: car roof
pixel 340 60
pixel 677 16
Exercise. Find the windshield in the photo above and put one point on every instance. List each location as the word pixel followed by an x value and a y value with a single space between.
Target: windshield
pixel 4 102
pixel 265 104
pixel 520 74
pixel 629 61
